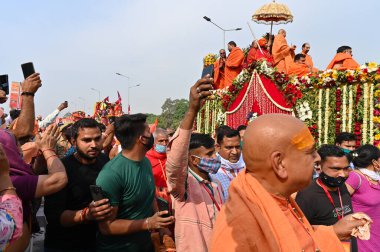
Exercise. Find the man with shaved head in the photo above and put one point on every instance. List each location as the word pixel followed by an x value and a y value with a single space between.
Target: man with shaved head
pixel 260 215
pixel 283 54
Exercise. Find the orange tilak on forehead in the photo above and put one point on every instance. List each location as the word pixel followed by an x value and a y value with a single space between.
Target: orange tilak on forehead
pixel 303 139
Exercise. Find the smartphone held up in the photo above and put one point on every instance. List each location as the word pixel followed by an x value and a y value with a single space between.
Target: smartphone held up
pixel 27 69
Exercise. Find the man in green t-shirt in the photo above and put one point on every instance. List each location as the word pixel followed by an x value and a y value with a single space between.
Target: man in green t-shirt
pixel 128 182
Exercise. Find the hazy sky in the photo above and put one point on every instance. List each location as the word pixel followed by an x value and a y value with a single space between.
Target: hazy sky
pixel 79 45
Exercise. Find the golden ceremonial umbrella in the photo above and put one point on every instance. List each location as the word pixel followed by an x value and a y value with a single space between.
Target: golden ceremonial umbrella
pixel 273 13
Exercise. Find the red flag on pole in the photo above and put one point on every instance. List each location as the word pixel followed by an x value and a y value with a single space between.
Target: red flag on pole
pixel 129 109
pixel 107 99
pixel 118 98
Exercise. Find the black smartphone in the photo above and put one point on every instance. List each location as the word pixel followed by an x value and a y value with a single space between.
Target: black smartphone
pixel 27 69
pixel 97 193
pixel 208 70
pixel 4 84
pixel 163 205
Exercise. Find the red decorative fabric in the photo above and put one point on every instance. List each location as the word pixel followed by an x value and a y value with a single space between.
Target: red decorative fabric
pixel 256 101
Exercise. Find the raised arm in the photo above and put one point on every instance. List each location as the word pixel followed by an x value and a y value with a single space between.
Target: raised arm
pixel 25 121
pixel 177 161
pixel 108 135
pixel 56 178
pixel 53 115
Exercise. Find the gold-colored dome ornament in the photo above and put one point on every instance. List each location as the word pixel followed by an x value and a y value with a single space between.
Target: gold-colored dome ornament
pixel 273 13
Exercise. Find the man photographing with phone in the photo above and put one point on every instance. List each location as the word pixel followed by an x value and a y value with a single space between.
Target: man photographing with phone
pixel 72 213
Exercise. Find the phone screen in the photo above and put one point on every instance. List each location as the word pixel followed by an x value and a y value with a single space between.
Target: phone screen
pixel 4 84
pixel 27 69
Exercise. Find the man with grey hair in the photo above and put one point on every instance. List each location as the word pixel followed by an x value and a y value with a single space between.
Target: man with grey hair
pixel 157 157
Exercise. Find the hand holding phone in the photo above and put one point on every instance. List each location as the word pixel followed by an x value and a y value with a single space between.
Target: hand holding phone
pixel 97 193
pixel 163 205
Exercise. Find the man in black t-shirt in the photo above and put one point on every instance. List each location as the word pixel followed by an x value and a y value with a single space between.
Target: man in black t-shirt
pixel 326 200
pixel 71 213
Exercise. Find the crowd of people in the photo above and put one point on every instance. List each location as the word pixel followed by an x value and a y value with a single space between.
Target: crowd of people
pixel 277 53
pixel 127 187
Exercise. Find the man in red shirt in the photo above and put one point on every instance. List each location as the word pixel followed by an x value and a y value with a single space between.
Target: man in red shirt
pixel 157 157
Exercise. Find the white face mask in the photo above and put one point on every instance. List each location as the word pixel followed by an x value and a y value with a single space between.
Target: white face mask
pixel 232 166
pixel 372 174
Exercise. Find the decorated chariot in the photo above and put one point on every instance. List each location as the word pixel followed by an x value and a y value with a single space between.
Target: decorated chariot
pixel 329 102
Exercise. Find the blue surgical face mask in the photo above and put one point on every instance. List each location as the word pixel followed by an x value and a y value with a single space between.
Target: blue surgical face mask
pixel 209 165
pixel 160 148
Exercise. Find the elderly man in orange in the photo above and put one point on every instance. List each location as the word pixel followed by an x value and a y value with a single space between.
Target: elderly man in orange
pixel 283 54
pixel 251 57
pixel 343 60
pixel 260 214
pixel 300 67
pixel 233 63
pixel 219 66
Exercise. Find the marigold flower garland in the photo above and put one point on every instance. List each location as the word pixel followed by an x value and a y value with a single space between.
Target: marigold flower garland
pixel 371 112
pixel 365 113
pixel 327 110
pixel 320 96
pixel 344 112
pixel 350 105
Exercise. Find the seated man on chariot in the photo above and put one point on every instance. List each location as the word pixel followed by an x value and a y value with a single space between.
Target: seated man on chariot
pixel 299 67
pixel 343 60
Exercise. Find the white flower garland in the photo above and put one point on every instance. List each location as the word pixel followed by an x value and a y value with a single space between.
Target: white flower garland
pixel 371 110
pixel 320 95
pixel 327 110
pixel 207 117
pixel 365 113
pixel 350 105
pixel 304 111
pixel 199 121
pixel 344 110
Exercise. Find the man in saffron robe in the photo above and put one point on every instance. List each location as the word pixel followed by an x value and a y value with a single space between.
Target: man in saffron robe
pixel 233 63
pixel 261 215
pixel 305 51
pixel 283 54
pixel 299 67
pixel 219 69
pixel 252 53
pixel 343 60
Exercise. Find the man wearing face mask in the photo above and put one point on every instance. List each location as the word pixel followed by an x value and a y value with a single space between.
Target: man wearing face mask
pixel 326 200
pixel 346 141
pixel 197 199
pixel 232 161
pixel 128 182
pixel 157 157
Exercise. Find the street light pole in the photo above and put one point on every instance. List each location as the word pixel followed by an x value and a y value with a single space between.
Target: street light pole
pixel 129 87
pixel 130 92
pixel 96 90
pixel 224 30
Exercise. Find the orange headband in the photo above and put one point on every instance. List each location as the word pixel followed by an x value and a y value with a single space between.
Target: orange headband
pixel 303 139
